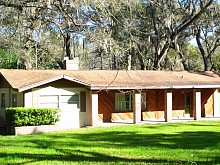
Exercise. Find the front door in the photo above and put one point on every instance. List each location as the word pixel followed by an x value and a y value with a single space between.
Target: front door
pixel 187 104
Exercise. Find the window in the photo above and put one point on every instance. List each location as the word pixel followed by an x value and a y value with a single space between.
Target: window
pixel 2 100
pixel 14 100
pixel 187 103
pixel 123 101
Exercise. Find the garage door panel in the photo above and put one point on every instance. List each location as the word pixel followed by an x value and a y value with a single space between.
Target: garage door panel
pixel 69 105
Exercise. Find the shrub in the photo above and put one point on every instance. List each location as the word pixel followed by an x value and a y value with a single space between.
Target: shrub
pixel 21 116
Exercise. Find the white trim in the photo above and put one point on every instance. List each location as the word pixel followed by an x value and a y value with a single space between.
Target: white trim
pixel 94 109
pixel 154 87
pixel 76 80
pixel 168 105
pixel 137 108
pixel 52 80
pixel 197 104
pixel 216 104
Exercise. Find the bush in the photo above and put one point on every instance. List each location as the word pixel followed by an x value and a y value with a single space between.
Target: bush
pixel 20 116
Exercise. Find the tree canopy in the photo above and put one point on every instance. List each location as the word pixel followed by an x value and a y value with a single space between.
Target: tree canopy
pixel 106 34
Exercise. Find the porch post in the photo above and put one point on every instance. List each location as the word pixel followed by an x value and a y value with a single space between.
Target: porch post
pixel 94 112
pixel 216 104
pixel 137 107
pixel 197 104
pixel 168 105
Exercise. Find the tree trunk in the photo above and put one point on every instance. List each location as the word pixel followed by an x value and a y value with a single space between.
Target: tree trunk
pixel 67 43
pixel 160 55
pixel 61 64
pixel 176 47
pixel 140 58
pixel 185 65
pixel 201 49
pixel 156 63
pixel 114 66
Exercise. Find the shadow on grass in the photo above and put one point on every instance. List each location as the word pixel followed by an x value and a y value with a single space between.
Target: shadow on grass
pixel 94 157
pixel 75 147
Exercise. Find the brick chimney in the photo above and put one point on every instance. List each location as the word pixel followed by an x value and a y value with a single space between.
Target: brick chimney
pixel 72 64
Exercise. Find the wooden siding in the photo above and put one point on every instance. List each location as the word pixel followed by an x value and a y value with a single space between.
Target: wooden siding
pixel 178 103
pixel 207 102
pixel 155 100
pixel 178 99
pixel 124 116
pixel 106 105
pixel 155 104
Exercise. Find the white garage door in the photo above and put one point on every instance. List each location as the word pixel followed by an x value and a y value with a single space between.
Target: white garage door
pixel 69 105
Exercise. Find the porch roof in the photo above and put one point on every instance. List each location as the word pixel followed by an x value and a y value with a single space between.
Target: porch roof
pixel 113 79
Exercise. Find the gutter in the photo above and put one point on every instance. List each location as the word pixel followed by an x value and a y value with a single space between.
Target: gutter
pixel 153 87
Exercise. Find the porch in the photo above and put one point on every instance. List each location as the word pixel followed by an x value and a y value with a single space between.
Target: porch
pixel 155 106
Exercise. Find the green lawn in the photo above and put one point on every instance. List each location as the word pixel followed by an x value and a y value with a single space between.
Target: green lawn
pixel 177 143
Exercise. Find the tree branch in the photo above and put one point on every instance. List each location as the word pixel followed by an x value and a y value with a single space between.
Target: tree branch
pixel 190 21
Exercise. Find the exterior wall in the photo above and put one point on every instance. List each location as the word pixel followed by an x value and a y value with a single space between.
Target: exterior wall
pixel 155 106
pixel 178 102
pixel 70 118
pixel 207 102
pixel 8 102
pixel 5 91
pixel 106 105
pixel 107 112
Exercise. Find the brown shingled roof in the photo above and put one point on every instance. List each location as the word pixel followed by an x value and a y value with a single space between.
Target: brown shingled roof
pixel 112 79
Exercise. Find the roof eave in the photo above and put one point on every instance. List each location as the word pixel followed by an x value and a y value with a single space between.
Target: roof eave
pixel 27 87
pixel 153 87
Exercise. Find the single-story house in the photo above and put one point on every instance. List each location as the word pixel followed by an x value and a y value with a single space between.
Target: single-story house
pixel 88 97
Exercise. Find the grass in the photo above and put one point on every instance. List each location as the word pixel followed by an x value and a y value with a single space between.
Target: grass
pixel 176 143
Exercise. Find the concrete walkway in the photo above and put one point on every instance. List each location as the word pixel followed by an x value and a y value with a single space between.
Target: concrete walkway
pixel 155 121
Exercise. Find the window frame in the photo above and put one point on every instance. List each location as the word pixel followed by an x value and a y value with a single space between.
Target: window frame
pixel 14 100
pixel 121 97
pixel 123 101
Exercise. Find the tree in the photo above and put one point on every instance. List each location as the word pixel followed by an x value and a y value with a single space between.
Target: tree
pixel 43 32
pixel 207 36
pixel 169 19
pixel 8 60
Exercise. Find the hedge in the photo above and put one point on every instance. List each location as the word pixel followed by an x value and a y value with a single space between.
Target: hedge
pixel 20 116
